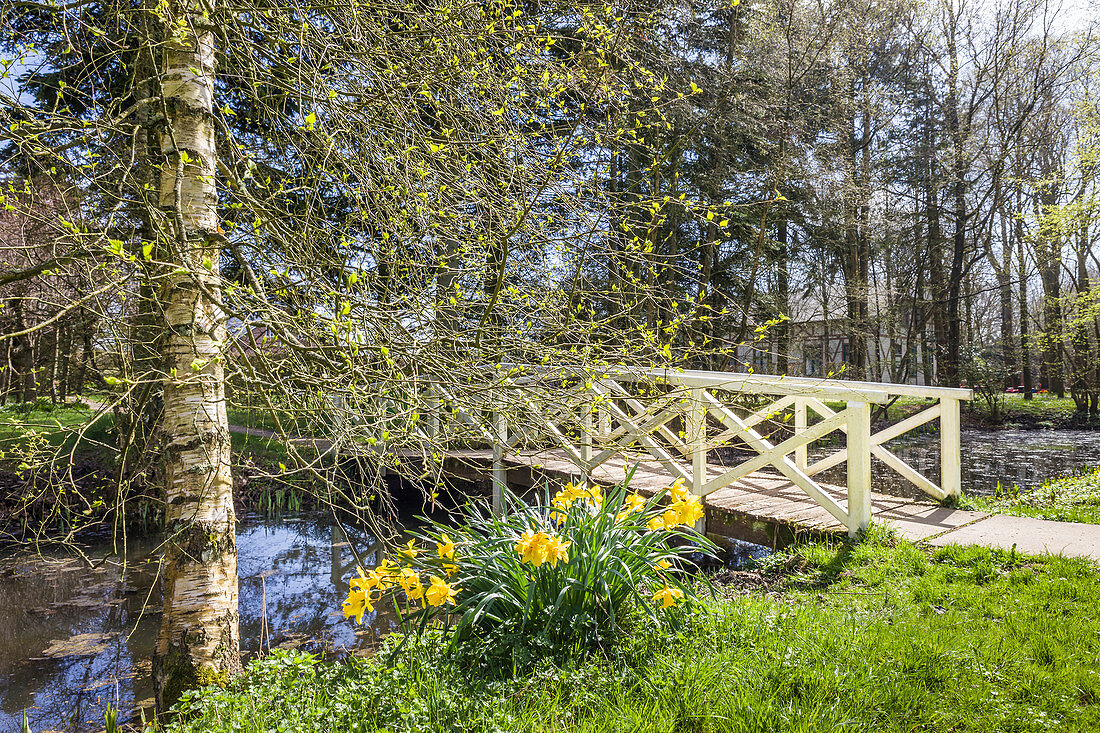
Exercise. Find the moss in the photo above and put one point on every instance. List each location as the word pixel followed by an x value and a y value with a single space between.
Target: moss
pixel 173 675
pixel 207 676
pixel 175 672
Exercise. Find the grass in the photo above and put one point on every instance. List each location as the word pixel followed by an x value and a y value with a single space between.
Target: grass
pixel 880 636
pixel 1041 407
pixel 254 417
pixel 257 416
pixel 259 448
pixel 1069 499
pixel 43 435
pixel 41 425
pixel 45 426
pixel 1043 410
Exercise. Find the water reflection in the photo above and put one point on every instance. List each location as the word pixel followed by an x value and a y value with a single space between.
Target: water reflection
pixel 74 639
pixel 1006 458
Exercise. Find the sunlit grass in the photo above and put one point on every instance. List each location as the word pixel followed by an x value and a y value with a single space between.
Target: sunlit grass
pixel 42 427
pixel 1069 499
pixel 881 636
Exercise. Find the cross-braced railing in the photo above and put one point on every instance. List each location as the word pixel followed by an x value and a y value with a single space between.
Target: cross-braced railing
pixel 683 419
pixel 680 419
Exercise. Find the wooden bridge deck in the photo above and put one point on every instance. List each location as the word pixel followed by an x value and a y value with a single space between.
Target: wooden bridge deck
pixel 764 508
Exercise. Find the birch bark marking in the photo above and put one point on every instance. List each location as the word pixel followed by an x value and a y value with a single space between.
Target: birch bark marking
pixel 199 639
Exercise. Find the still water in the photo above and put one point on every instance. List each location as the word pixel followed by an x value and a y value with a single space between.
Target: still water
pixel 75 638
pixel 991 460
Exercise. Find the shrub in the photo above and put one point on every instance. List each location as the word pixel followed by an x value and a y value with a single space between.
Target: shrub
pixel 559 573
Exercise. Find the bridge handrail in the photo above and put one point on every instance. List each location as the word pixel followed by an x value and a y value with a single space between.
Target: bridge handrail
pixel 643 420
pixel 848 389
pixel 594 414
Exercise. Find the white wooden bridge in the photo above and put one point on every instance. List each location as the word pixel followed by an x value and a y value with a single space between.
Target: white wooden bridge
pixel 712 429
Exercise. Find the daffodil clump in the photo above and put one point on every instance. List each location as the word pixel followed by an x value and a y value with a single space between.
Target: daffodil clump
pixel 407 578
pixel 563 569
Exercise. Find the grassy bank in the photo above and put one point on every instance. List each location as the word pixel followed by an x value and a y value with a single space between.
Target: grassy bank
pixel 1070 499
pixel 1043 411
pixel 47 451
pixel 1040 407
pixel 41 426
pixel 882 636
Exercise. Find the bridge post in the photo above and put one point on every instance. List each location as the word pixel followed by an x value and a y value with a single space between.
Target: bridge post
pixel 586 440
pixel 696 433
pixel 859 468
pixel 499 472
pixel 950 451
pixel 799 426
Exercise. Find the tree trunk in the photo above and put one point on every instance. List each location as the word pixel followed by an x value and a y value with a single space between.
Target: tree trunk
pixel 783 297
pixel 1048 256
pixel 198 642
pixel 5 373
pixel 1003 272
pixel 937 287
pixel 957 133
pixel 55 357
pixel 63 366
pixel 1021 280
pixel 22 357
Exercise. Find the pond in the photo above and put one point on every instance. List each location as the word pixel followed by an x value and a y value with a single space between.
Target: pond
pixel 992 460
pixel 74 639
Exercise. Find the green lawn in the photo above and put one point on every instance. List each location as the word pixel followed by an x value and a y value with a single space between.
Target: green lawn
pixel 1041 406
pixel 255 417
pixel 27 428
pixel 1070 499
pixel 1042 409
pixel 47 427
pixel 881 636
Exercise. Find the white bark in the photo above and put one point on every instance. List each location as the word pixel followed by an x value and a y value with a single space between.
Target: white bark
pixel 199 639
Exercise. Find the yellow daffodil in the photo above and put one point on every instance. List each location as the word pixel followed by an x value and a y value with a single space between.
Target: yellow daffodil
pixel 668 596
pixel 357 604
pixel 594 496
pixel 678 491
pixel 450 568
pixel 387 573
pixel 556 550
pixel 631 505
pixel 440 592
pixel 368 580
pixel 538 552
pixel 360 583
pixel 523 544
pixel 570 494
pixel 539 548
pixel 688 511
pixel 656 524
pixel 410 583
pixel 409 550
pixel 446 548
pixel 564 498
pixel 664 564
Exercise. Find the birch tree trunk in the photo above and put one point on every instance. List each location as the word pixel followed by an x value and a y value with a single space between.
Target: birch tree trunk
pixel 199 638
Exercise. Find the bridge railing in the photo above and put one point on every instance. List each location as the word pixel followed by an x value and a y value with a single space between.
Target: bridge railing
pixel 680 419
pixel 683 420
